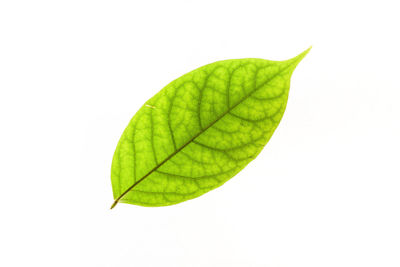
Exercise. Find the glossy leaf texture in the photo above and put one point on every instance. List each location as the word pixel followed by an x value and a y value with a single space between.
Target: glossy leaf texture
pixel 200 130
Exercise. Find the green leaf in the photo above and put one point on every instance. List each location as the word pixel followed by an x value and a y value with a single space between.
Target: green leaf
pixel 200 130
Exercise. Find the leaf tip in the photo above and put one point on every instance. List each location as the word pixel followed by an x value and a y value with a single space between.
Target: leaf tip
pixel 296 60
pixel 299 57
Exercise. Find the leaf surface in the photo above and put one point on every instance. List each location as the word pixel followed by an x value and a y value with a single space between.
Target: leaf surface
pixel 200 130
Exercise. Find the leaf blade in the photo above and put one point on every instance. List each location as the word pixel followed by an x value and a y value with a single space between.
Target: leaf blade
pixel 187 137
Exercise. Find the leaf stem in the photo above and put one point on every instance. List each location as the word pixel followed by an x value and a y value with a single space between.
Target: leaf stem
pixel 114 204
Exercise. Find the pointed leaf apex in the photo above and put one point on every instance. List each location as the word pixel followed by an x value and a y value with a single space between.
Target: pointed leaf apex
pixel 296 60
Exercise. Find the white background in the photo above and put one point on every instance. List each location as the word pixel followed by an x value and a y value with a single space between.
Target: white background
pixel 324 192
